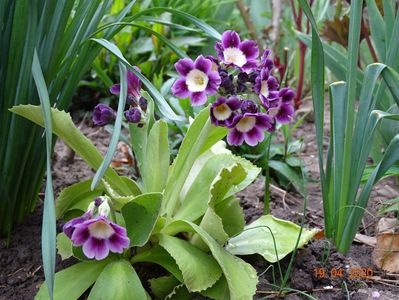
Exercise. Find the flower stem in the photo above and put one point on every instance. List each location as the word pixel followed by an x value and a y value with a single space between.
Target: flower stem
pixel 266 198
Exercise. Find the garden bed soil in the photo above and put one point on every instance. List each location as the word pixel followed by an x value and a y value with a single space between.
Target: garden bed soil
pixel 21 273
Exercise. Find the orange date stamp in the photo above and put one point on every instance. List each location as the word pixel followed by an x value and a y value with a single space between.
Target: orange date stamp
pixel 351 273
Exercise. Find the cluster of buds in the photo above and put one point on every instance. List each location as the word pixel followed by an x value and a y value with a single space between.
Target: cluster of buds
pixel 103 114
pixel 95 233
pixel 249 99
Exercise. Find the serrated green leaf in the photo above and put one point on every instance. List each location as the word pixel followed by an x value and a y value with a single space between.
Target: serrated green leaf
pixel 200 271
pixel 161 287
pixel 257 238
pixel 72 195
pixel 232 215
pixel 140 216
pixel 119 281
pixel 64 128
pixel 72 282
pixel 241 277
pixel 155 168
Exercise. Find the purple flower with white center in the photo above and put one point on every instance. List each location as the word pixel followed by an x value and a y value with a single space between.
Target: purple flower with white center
pixel 133 87
pixel 99 236
pixel 223 111
pixel 249 128
pixel 103 115
pixel 266 86
pixel 133 115
pixel 232 52
pixel 69 227
pixel 266 61
pixel 197 80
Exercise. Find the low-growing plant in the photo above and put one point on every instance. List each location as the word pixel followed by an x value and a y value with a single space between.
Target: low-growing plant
pixel 352 132
pixel 182 216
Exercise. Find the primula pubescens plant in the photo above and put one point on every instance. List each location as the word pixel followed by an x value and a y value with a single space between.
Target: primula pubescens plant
pixel 183 217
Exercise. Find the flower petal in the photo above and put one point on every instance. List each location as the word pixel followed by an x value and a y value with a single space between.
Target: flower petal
pixel 214 81
pixel 250 49
pixel 230 39
pixel 117 243
pixel 198 98
pixel 234 103
pixel 254 136
pixel 235 138
pixel 80 234
pixel 285 113
pixel 115 89
pixel 203 64
pixel 184 65
pixel 179 88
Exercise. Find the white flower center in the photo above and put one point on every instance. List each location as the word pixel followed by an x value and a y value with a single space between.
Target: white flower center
pixel 264 89
pixel 101 230
pixel 234 56
pixel 273 111
pixel 222 112
pixel 196 81
pixel 246 124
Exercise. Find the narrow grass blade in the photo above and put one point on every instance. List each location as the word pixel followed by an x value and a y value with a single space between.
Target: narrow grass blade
pixel 49 222
pixel 117 128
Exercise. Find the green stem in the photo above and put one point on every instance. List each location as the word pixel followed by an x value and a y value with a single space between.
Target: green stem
pixel 266 199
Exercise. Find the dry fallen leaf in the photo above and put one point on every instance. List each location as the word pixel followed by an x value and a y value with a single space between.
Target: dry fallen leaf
pixel 386 252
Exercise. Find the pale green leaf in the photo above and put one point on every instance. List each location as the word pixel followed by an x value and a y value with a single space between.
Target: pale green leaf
pixel 119 281
pixel 140 216
pixel 200 270
pixel 64 246
pixel 257 238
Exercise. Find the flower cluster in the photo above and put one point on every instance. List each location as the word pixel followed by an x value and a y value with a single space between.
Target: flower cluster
pixel 249 98
pixel 96 233
pixel 137 105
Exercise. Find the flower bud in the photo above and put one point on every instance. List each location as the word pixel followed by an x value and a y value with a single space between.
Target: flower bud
pixel 133 115
pixel 104 209
pixel 103 115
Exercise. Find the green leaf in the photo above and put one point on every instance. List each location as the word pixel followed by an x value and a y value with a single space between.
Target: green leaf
pixel 289 173
pixel 117 128
pixel 215 179
pixel 160 257
pixel 156 159
pixel 64 246
pixel 64 128
pixel 72 282
pixel 49 230
pixel 388 206
pixel 377 28
pixel 200 271
pixel 163 105
pixel 219 291
pixel 257 238
pixel 232 215
pixel 161 287
pixel 119 281
pixel 74 194
pixel 140 216
pixel 241 277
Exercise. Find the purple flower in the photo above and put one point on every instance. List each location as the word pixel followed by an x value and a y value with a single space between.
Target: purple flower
pixel 281 108
pixel 248 106
pixel 133 87
pixel 223 111
pixel 266 86
pixel 103 115
pixel 69 227
pixel 197 80
pixel 233 52
pixel 133 115
pixel 266 61
pixel 249 128
pixel 99 236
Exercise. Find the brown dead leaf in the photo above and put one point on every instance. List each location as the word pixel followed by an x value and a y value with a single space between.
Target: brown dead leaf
pixel 365 239
pixel 386 252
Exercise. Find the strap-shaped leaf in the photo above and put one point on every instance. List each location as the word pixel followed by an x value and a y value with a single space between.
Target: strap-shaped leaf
pixel 118 280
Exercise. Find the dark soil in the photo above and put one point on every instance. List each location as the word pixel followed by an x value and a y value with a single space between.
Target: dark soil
pixel 20 263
